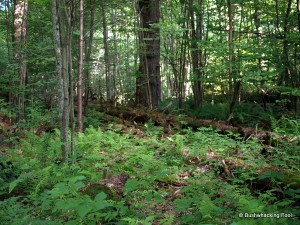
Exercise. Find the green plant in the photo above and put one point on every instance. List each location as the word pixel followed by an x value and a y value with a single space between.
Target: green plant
pixel 93 118
pixel 178 179
pixel 286 125
pixel 6 110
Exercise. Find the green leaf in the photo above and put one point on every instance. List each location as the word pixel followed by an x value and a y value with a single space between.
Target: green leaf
pixel 20 179
pixel 101 205
pixel 100 197
pixel 78 185
pixel 13 184
pixel 72 222
pixel 100 202
pixel 60 189
pixel 131 185
pixel 83 210
pixel 76 178
pixel 65 204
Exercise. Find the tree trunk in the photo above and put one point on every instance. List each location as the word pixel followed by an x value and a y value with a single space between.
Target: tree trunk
pixel 71 104
pixel 230 44
pixel 116 57
pixel 88 55
pixel 62 38
pixel 234 98
pixel 80 69
pixel 20 36
pixel 297 104
pixel 259 33
pixel 183 62
pixel 234 86
pixel 196 53
pixel 110 92
pixel 289 74
pixel 261 62
pixel 148 84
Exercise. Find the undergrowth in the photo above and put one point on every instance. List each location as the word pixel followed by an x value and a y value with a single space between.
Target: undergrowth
pixel 246 114
pixel 189 177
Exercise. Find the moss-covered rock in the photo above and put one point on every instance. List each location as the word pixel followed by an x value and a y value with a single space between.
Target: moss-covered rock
pixel 95 188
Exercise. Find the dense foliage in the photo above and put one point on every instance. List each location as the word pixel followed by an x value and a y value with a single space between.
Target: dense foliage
pixel 245 46
pixel 129 175
pixel 220 79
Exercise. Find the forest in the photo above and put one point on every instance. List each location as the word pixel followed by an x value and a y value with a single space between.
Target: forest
pixel 149 112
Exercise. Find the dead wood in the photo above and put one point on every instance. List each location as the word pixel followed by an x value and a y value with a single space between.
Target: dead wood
pixel 142 115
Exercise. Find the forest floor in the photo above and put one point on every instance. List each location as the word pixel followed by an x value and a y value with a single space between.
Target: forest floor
pixel 140 167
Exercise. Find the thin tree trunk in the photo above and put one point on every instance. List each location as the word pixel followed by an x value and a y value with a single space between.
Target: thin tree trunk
pixel 80 69
pixel 62 38
pixel 259 33
pixel 88 56
pixel 261 63
pixel 58 54
pixel 196 54
pixel 289 75
pixel 20 36
pixel 183 62
pixel 72 113
pixel 234 84
pixel 297 59
pixel 71 88
pixel 8 22
pixel 9 41
pixel 110 95
pixel 116 64
pixel 230 45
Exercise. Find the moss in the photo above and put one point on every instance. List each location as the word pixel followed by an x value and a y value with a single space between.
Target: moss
pixel 93 189
pixel 292 179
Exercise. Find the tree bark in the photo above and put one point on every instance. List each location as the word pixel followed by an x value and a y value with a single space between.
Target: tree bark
pixel 259 33
pixel 80 69
pixel 166 120
pixel 20 36
pixel 289 75
pixel 116 57
pixel 88 52
pixel 234 85
pixel 196 53
pixel 110 92
pixel 62 39
pixel 182 73
pixel 230 44
pixel 148 84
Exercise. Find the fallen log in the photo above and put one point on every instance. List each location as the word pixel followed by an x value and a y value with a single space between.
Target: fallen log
pixel 266 176
pixel 143 115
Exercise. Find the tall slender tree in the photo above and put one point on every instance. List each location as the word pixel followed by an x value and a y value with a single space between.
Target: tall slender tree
pixel 110 92
pixel 196 23
pixel 80 70
pixel 182 71
pixel 20 36
pixel 61 16
pixel 88 51
pixel 234 83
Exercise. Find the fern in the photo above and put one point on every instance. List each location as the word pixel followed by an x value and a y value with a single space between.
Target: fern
pixel 178 179
pixel 43 179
